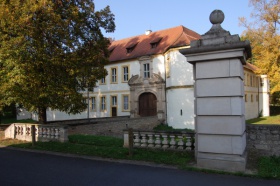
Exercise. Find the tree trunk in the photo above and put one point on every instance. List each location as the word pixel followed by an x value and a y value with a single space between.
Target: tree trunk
pixel 42 114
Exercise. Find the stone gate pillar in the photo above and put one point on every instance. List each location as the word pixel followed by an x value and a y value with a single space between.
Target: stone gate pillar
pixel 218 60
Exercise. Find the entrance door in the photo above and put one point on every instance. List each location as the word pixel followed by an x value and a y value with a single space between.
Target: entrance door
pixel 147 105
pixel 114 111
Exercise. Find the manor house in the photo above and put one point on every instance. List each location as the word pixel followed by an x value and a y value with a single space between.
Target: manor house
pixel 148 76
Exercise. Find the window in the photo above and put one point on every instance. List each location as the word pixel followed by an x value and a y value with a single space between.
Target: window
pixel 114 101
pixel 113 75
pixel 93 103
pixel 103 81
pixel 154 43
pixel 103 103
pixel 146 70
pixel 125 73
pixel 252 98
pixel 245 97
pixel 125 103
pixel 130 47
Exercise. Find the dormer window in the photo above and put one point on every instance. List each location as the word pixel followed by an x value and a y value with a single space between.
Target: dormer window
pixel 155 42
pixel 111 50
pixel 130 48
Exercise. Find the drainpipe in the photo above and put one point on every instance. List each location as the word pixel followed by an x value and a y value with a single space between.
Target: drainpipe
pixel 165 77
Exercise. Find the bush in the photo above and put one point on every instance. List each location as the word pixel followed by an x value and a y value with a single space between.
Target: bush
pixel 274 110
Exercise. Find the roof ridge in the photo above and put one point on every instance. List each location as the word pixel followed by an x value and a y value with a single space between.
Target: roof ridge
pixel 141 35
pixel 177 37
pixel 184 28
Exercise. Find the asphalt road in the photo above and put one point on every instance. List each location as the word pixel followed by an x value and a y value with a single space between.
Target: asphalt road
pixel 30 168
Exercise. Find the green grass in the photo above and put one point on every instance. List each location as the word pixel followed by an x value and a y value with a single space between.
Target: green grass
pixel 162 127
pixel 14 120
pixel 108 147
pixel 269 167
pixel 265 120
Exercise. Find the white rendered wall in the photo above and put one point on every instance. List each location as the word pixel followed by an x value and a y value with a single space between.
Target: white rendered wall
pixel 179 93
pixel 181 72
pixel 180 107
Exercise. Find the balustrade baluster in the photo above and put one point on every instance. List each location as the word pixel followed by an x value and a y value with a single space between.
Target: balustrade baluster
pixel 143 140
pixel 157 141
pixel 188 143
pixel 165 141
pixel 48 133
pixel 44 132
pixel 151 140
pixel 40 133
pixel 136 140
pixel 172 142
pixel 52 133
pixel 56 133
pixel 180 142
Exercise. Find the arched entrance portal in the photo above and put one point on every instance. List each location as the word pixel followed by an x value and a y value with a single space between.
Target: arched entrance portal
pixel 147 104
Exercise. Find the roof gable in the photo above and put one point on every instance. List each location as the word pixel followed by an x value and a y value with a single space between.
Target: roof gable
pixel 165 39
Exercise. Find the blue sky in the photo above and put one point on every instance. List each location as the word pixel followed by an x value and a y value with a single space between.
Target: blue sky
pixel 133 17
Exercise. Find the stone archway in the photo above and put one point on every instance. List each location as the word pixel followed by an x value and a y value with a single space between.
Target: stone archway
pixel 153 87
pixel 147 104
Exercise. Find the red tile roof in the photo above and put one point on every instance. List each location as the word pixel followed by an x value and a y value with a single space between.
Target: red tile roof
pixel 169 38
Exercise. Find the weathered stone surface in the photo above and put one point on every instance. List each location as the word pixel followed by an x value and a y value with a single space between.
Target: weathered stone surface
pixel 263 139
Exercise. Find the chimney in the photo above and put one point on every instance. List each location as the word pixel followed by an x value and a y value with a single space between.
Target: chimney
pixel 147 32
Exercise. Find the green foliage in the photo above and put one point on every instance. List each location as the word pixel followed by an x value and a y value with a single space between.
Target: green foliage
pixel 269 167
pixel 162 127
pixel 274 110
pixel 50 50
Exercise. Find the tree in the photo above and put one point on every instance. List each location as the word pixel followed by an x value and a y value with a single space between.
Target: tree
pixel 264 36
pixel 50 51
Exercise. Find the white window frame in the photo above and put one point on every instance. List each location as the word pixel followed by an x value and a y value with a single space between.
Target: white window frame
pixel 103 103
pixel 125 103
pixel 93 103
pixel 125 73
pixel 114 75
pixel 146 68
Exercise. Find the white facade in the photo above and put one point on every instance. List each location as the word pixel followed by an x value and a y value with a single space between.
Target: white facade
pixel 173 68
pixel 256 94
pixel 147 75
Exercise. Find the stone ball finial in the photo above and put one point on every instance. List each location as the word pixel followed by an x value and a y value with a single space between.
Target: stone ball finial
pixel 217 17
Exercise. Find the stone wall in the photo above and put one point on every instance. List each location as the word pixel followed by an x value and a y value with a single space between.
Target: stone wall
pixel 263 139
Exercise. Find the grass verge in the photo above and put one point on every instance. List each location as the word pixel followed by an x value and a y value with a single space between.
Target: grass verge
pixel 269 167
pixel 265 120
pixel 107 147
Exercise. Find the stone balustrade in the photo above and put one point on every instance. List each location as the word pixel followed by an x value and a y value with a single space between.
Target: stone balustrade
pixel 22 131
pixel 161 140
